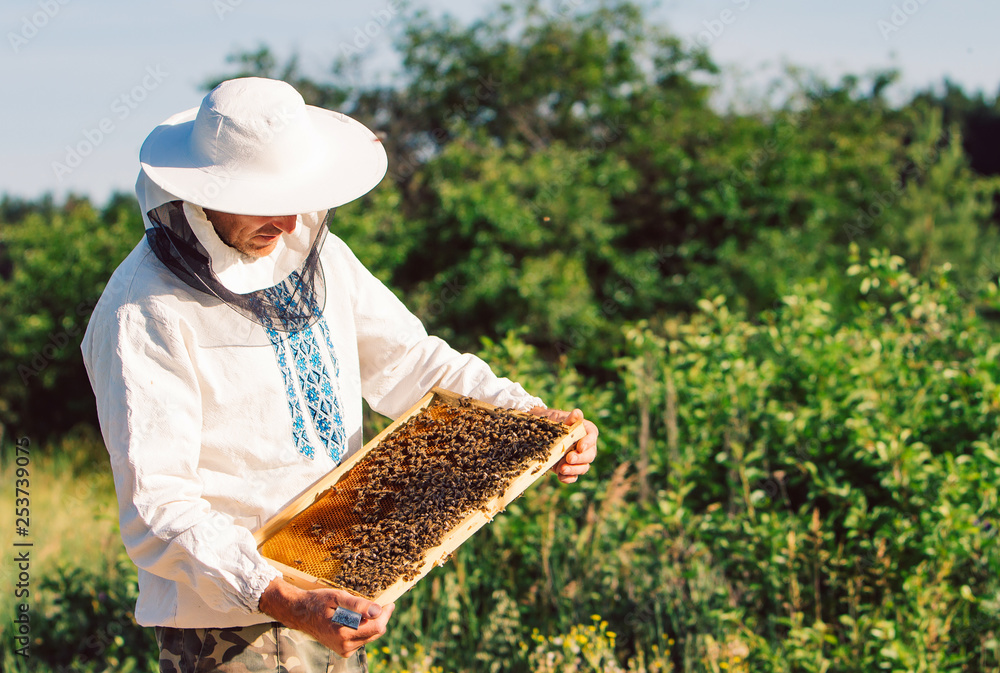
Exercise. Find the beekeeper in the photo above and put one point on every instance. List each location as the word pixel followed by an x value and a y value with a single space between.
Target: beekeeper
pixel 229 355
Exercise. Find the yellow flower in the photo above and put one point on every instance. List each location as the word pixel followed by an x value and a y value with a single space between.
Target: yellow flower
pixel 723 665
pixel 670 641
pixel 611 634
pixel 596 618
pixel 386 650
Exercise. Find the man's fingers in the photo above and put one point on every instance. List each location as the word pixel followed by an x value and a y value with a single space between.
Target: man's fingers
pixel 573 470
pixel 349 640
pixel 571 475
pixel 366 608
pixel 585 450
pixel 577 462
pixel 370 629
pixel 578 457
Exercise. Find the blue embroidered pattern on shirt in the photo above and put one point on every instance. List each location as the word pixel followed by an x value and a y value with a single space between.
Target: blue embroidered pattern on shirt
pixel 298 422
pixel 317 388
pixel 314 383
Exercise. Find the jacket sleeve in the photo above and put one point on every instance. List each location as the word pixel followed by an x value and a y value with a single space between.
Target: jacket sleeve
pixel 400 362
pixel 150 411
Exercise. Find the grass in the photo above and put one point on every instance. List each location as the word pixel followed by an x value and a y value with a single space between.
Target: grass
pixel 74 513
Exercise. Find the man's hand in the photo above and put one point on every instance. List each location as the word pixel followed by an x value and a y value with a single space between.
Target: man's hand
pixel 577 461
pixel 310 611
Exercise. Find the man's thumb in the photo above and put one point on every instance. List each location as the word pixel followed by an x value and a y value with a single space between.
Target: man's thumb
pixel 362 606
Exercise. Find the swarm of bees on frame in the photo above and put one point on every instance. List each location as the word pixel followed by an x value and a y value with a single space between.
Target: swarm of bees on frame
pixel 416 485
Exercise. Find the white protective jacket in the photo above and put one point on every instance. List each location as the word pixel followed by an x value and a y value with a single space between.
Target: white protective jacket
pixel 212 427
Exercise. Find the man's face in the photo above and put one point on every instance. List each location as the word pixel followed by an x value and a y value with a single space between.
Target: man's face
pixel 253 235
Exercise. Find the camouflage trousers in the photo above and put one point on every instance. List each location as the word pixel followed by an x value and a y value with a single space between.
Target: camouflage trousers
pixel 271 647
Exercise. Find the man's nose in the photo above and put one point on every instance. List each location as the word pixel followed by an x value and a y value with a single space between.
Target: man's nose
pixel 286 223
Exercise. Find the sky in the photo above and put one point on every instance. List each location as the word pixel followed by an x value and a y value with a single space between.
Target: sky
pixel 85 82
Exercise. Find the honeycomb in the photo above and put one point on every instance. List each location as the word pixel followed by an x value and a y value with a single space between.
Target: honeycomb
pixel 375 525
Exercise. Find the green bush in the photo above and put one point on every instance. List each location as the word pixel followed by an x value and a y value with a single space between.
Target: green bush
pixel 83 621
pixel 54 263
pixel 88 620
pixel 826 488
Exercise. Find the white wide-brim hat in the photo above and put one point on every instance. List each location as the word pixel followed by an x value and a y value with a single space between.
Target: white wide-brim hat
pixel 255 148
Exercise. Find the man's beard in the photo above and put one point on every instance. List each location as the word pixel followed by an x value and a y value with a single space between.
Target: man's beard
pixel 249 254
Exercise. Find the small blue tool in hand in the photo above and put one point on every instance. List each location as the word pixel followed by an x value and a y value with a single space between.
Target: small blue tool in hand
pixel 348 618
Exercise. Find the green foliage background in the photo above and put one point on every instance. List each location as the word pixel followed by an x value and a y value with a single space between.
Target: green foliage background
pixel 781 316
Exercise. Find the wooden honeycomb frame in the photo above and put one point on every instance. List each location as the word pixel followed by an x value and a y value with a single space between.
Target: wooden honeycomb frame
pixel 284 524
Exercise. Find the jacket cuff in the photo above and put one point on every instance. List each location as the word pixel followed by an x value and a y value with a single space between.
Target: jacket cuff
pixel 255 585
pixel 527 403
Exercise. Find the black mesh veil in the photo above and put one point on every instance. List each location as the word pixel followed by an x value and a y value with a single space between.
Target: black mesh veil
pixel 294 303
